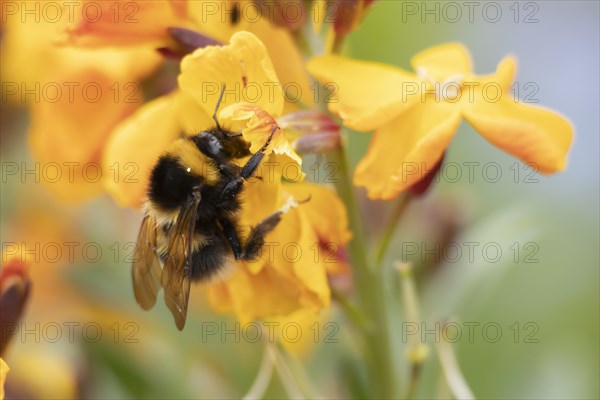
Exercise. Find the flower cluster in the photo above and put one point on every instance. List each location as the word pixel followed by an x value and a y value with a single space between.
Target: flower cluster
pixel 127 91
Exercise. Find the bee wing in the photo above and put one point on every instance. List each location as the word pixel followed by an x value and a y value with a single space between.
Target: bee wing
pixel 176 274
pixel 146 265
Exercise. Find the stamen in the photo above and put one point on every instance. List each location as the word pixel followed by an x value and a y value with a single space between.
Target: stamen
pixel 447 90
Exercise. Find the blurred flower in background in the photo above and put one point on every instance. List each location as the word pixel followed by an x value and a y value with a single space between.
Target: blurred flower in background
pixel 75 96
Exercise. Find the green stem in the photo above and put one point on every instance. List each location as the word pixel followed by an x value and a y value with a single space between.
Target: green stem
pixel 370 290
pixel 415 374
pixel 295 368
pixel 293 386
pixel 350 309
pixel 263 378
pixel 388 234
pixel 417 351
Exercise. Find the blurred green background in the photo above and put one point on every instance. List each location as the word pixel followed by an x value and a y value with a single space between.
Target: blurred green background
pixel 555 299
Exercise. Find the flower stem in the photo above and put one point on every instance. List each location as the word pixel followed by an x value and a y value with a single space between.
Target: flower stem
pixel 350 309
pixel 417 351
pixel 388 234
pixel 370 290
pixel 296 369
pixel 454 377
pixel 288 380
pixel 261 382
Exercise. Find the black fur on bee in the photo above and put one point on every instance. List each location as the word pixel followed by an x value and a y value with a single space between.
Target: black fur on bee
pixel 205 163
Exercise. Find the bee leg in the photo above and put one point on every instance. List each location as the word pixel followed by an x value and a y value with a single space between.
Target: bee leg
pixel 232 237
pixel 256 239
pixel 235 186
pixel 256 158
pixel 232 189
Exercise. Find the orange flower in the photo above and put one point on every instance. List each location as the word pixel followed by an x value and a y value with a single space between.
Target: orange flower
pixel 75 98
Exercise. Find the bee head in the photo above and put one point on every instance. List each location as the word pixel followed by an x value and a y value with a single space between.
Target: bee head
pixel 233 144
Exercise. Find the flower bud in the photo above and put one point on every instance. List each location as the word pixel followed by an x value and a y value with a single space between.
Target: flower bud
pixel 186 41
pixel 419 188
pixel 314 131
pixel 14 292
pixel 348 14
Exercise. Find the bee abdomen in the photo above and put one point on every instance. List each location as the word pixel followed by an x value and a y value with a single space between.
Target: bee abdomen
pixel 210 260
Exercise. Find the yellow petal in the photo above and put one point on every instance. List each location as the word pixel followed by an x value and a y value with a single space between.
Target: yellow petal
pixel 135 146
pixel 330 226
pixel 403 151
pixel 257 125
pixel 366 94
pixel 44 372
pixel 327 215
pixel 261 295
pixel 533 134
pixel 504 75
pixel 3 371
pixel 443 61
pixel 309 265
pixel 297 332
pixel 243 66
pixel 288 63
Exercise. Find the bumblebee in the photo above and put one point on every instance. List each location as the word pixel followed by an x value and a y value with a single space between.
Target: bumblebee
pixel 190 229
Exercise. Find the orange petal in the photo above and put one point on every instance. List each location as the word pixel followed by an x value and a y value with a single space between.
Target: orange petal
pixel 126 23
pixel 443 61
pixel 366 95
pixel 72 131
pixel 533 134
pixel 257 125
pixel 243 66
pixel 403 151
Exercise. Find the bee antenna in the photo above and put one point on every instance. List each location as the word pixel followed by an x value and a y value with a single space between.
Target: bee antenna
pixel 217 107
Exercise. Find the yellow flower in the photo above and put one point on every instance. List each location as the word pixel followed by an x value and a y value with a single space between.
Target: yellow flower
pixel 291 274
pixel 243 66
pixel 3 372
pixel 416 116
